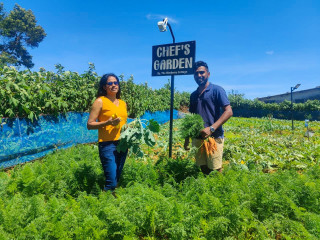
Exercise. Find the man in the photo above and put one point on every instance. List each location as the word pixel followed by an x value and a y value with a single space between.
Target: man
pixel 207 101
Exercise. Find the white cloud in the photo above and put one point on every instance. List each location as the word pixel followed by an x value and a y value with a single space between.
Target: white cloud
pixel 270 52
pixel 160 17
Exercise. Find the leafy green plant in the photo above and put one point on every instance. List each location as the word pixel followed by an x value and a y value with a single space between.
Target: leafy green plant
pixel 28 94
pixel 191 125
pixel 60 196
pixel 134 135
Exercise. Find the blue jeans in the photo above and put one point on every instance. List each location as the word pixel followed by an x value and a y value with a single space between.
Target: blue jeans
pixel 112 163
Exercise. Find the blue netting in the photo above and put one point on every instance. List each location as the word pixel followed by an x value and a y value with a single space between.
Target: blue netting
pixel 21 141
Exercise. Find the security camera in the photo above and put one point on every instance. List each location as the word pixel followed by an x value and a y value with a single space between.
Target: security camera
pixel 162 25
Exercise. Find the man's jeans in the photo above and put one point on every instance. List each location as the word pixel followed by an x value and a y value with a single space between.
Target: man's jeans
pixel 112 163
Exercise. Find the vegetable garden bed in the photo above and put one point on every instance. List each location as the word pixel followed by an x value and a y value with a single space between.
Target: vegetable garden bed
pixel 60 197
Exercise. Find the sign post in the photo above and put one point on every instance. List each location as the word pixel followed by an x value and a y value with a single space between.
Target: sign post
pixel 173 59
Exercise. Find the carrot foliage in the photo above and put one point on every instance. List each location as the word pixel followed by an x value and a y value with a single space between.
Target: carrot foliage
pixel 191 125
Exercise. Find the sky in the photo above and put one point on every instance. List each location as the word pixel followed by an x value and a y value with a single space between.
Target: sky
pixel 257 48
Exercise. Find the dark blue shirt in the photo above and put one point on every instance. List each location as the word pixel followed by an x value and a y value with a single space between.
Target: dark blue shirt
pixel 209 106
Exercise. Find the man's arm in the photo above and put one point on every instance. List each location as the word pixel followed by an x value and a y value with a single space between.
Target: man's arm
pixel 224 117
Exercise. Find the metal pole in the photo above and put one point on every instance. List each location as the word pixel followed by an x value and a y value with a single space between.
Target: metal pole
pixel 292 108
pixel 173 39
pixel 171 101
pixel 171 115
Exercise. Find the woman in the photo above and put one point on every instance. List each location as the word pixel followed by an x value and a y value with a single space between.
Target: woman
pixel 102 117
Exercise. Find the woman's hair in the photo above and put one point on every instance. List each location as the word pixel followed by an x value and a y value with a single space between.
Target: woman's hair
pixel 103 82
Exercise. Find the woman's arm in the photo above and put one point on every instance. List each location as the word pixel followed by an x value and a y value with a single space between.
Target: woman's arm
pixel 94 114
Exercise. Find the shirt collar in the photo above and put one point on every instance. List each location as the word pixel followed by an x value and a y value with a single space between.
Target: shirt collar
pixel 207 89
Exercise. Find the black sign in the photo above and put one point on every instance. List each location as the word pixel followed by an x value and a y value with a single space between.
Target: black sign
pixel 173 59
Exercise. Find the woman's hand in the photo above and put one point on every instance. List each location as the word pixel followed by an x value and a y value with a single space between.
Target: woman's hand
pixel 113 122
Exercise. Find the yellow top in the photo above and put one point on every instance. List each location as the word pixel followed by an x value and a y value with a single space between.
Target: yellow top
pixel 109 132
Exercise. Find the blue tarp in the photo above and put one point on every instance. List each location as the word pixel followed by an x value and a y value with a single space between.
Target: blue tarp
pixel 21 141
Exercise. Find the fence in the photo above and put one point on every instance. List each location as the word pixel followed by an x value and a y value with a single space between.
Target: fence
pixel 22 141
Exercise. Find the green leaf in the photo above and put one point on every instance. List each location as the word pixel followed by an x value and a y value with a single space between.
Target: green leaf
pixel 31 116
pixel 135 148
pixel 14 101
pixel 122 146
pixel 9 112
pixel 26 109
pixel 149 138
pixel 154 126
pixel 140 154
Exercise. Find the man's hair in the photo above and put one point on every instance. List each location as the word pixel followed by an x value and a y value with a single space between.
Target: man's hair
pixel 200 64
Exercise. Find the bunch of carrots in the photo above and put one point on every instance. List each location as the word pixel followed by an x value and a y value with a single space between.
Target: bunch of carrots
pixel 208 147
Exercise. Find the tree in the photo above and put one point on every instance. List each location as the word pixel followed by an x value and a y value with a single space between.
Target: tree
pixel 18 30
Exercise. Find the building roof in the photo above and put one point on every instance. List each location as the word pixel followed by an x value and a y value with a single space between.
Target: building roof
pixel 296 92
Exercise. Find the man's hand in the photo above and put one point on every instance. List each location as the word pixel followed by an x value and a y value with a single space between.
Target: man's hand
pixel 205 133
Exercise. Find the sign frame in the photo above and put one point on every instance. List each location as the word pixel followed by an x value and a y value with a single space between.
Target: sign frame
pixel 173 59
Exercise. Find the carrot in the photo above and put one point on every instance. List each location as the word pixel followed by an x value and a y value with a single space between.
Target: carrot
pixel 213 144
pixel 210 146
pixel 206 147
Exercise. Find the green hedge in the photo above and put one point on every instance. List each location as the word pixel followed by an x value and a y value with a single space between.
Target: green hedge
pixel 254 108
pixel 29 94
pixel 239 102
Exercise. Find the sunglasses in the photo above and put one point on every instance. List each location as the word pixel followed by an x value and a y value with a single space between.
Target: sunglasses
pixel 111 83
